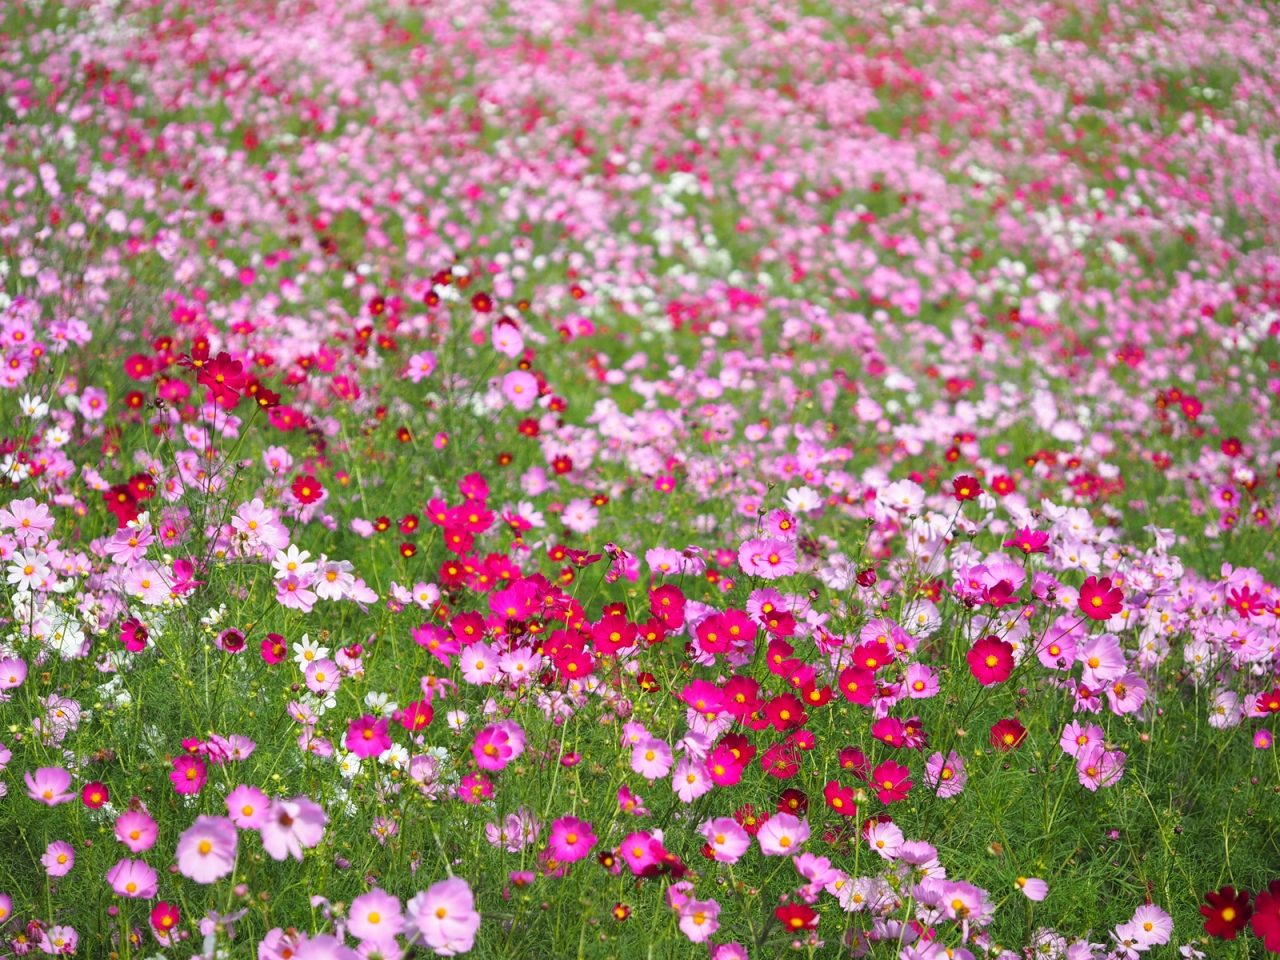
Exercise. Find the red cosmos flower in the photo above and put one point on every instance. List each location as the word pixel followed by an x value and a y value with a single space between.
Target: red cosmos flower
pixel 307 488
pixel 872 656
pixel 417 716
pixel 749 820
pixel 142 486
pixel 94 794
pixel 1099 600
pixel 855 761
pixel 1232 447
pixel 620 912
pixel 562 464
pixel 888 730
pixel 139 366
pixel 796 916
pixel 121 502
pixel 857 685
pixel 1007 734
pixel 965 488
pixel 224 377
pixel 1226 912
pixel 840 799
pixel 1266 916
pixel 815 696
pixel 780 761
pixel 1003 485
pixel 892 781
pixel 793 801
pixel 785 712
pixel 666 603
pixel 1268 702
pixel 990 660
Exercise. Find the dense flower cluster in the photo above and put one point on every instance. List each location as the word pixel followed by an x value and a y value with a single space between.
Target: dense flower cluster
pixel 575 478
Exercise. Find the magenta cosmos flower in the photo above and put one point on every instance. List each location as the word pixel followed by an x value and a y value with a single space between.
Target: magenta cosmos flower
pixel 292 826
pixel 207 849
pixel 991 660
pixel 571 839
pixel 188 774
pixel 492 748
pixel 136 830
pixel 445 914
pixel 48 785
pixel 132 878
pixel 1099 600
pixel 367 736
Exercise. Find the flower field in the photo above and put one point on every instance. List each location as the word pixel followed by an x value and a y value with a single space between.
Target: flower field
pixel 625 479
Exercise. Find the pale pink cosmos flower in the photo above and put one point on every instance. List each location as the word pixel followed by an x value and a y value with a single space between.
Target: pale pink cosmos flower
pixel 59 857
pixel 479 663
pixel 322 676
pixel 295 593
pixel 698 919
pixel 136 830
pixel 375 916
pixel 248 807
pixel 421 366
pixel 30 521
pixel 445 915
pixel 133 878
pixel 690 779
pixel 48 785
pixel 207 849
pixel 520 387
pixel 1103 660
pixel 291 826
pixel 1078 737
pixel 1152 925
pixel 1034 888
pixel 885 839
pixel 782 835
pixel 727 839
pixel 651 759
pixel 946 778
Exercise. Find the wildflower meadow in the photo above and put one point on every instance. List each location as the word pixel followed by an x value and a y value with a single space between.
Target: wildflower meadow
pixel 628 479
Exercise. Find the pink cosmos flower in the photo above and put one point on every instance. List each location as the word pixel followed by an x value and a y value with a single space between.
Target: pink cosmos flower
pixel 136 830
pixel 30 521
pixel 59 857
pixel 1034 888
pixel 133 878
pixel 13 671
pixel 189 774
pixel 885 839
pixel 651 759
pixel 946 778
pixel 571 839
pixel 727 839
pixel 729 951
pixel 492 749
pixel 520 387
pixel 631 803
pixel 248 806
pixel 292 826
pixel 367 736
pixel 690 779
pixel 48 785
pixel 636 849
pixel 782 835
pixel 474 787
pixel 295 593
pixel 1103 660
pixel 375 916
pixel 698 919
pixel 322 676
pixel 1077 737
pixel 207 849
pixel 445 915
pixel 59 940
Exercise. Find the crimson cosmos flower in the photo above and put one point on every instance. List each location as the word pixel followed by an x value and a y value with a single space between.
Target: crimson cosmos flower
pixel 965 488
pixel 1099 600
pixel 1266 916
pixel 991 660
pixel 1007 734
pixel 796 916
pixel 1226 912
